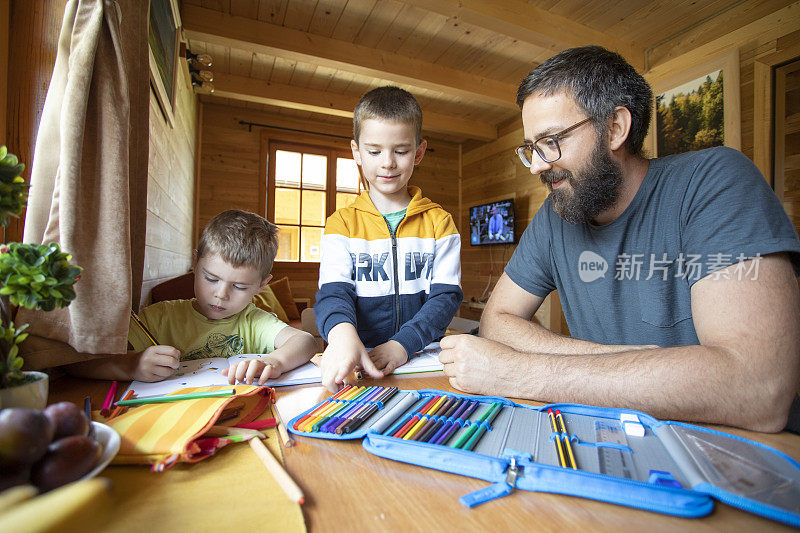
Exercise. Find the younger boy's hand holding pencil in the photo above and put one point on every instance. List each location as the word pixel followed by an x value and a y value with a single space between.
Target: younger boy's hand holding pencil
pixel 156 363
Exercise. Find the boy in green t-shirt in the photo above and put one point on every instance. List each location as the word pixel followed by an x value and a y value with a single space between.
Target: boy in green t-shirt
pixel 231 265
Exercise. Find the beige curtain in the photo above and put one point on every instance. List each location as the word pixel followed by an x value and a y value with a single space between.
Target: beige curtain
pixel 80 193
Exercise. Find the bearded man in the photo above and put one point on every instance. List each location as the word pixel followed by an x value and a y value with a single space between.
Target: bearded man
pixel 677 275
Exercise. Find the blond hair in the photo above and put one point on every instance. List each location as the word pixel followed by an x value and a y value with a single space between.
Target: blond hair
pixel 241 239
pixel 388 103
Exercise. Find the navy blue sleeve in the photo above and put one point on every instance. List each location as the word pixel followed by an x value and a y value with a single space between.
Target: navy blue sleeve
pixel 530 266
pixel 334 303
pixel 730 214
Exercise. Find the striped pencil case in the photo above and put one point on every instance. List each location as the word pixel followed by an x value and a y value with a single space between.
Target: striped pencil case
pixel 614 455
pixel 163 434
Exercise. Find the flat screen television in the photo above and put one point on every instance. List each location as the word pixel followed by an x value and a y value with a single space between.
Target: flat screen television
pixel 492 223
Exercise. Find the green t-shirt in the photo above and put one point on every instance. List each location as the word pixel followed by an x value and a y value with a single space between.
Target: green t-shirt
pixel 176 323
pixel 393 219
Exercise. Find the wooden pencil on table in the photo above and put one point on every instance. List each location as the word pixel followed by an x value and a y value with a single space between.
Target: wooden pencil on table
pixel 287 484
pixel 286 439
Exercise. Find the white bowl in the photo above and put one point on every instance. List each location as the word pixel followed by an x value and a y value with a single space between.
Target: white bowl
pixel 109 440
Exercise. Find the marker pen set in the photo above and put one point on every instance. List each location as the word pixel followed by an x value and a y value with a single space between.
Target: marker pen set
pixel 615 455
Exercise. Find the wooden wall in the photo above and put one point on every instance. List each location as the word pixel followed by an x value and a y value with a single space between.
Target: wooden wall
pixel 489 175
pixel 171 188
pixel 231 168
pixel 32 46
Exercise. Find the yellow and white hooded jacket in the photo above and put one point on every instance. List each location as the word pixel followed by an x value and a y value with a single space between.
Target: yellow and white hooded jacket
pixel 403 286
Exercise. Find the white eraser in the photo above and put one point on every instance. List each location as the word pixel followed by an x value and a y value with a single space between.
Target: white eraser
pixel 630 423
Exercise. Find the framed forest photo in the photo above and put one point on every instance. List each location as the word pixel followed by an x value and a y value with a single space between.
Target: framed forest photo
pixel 697 108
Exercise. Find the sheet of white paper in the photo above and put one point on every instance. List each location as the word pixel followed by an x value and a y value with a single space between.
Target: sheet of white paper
pixel 206 373
pixel 426 360
pixel 308 373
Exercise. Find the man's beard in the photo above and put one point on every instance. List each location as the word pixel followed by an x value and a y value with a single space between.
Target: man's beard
pixel 592 190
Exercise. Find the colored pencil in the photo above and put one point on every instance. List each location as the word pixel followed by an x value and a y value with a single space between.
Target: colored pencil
pixel 566 439
pixel 177 397
pixel 305 424
pixel 559 450
pixel 414 419
pixel 280 475
pixel 286 439
pixel 341 408
pixel 424 418
pixel 424 431
pixel 362 405
pixel 482 428
pixel 461 406
pixel 359 418
pixel 464 416
pixel 144 328
pixel 120 408
pixel 464 437
pixel 258 425
pixel 337 418
pixel 87 408
pixel 320 406
pixel 105 410
pixel 334 407
pixel 357 407
pixel 433 431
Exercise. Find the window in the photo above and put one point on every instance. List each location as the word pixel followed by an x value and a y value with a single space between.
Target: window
pixel 306 185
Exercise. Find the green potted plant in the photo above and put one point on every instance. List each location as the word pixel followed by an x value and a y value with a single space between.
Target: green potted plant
pixel 34 276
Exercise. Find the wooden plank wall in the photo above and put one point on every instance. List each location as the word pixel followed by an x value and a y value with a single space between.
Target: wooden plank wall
pixel 497 176
pixel 170 189
pixel 231 173
pixel 32 46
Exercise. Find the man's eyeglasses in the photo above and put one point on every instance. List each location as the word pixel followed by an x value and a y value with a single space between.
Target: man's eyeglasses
pixel 547 146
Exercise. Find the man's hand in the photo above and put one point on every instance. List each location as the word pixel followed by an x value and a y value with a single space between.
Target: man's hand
pixel 344 353
pixel 261 368
pixel 156 363
pixel 388 356
pixel 477 365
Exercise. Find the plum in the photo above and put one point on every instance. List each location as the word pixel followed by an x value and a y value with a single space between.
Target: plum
pixel 66 460
pixel 24 436
pixel 68 419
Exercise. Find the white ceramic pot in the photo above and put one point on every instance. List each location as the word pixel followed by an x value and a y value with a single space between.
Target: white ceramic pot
pixel 32 395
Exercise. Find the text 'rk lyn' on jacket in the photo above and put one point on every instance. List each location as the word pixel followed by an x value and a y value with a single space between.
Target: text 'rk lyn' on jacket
pixel 403 286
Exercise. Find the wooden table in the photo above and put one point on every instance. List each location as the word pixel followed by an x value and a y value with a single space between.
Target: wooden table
pixel 348 489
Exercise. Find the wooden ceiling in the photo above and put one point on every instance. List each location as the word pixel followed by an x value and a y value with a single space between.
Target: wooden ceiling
pixel 462 59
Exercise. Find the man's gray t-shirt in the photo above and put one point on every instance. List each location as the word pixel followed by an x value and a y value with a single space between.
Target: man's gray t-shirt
pixel 629 281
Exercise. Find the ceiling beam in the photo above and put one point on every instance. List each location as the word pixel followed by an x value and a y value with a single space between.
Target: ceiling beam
pixel 255 36
pixel 286 96
pixel 527 23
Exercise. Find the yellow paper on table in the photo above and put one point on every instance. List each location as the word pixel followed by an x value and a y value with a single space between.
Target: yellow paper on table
pixel 232 492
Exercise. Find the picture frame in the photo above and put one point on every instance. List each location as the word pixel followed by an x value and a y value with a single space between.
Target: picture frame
pixel 686 83
pixel 164 45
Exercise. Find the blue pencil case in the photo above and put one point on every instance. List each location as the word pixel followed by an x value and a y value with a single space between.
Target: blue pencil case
pixel 614 455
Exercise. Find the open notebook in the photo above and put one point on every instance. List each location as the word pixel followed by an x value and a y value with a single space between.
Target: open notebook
pixel 206 372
